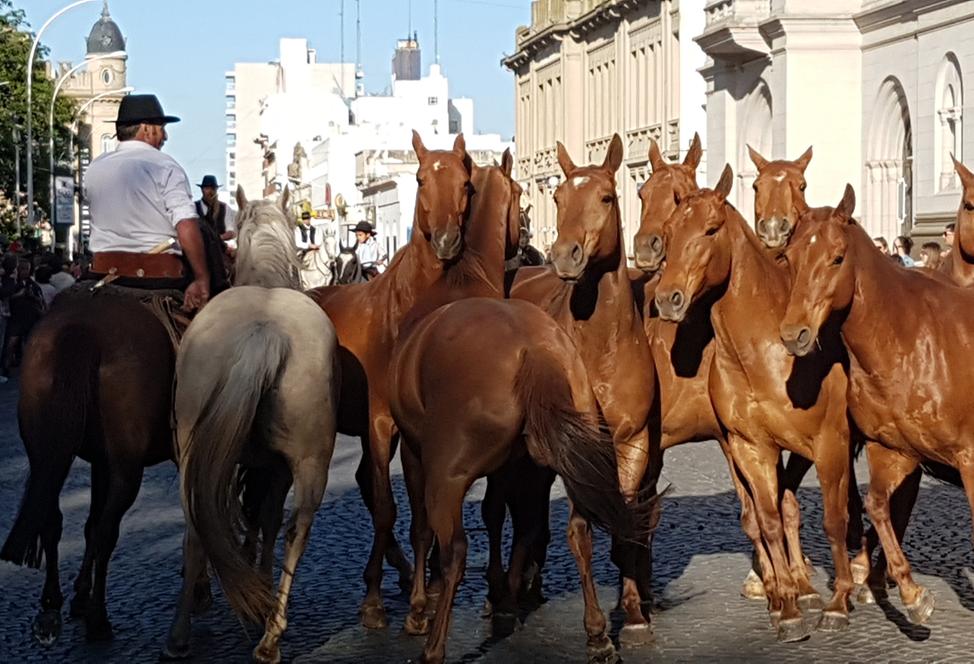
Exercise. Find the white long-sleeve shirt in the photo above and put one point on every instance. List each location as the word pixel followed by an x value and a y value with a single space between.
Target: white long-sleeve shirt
pixel 137 195
pixel 368 254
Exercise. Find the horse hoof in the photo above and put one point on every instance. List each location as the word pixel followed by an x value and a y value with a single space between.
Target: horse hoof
pixel 503 623
pixel 374 617
pixel 632 636
pixel 753 587
pixel 774 617
pixel 921 610
pixel 97 626
pixel 488 609
pixel 833 621
pixel 79 606
pixel 47 627
pixel 266 655
pixel 174 652
pixel 860 574
pixel 793 629
pixel 812 602
pixel 417 625
pixel 808 566
pixel 602 653
pixel 864 595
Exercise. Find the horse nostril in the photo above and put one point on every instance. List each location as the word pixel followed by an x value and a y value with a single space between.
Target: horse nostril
pixel 762 227
pixel 656 243
pixel 785 226
pixel 676 299
pixel 804 336
pixel 577 253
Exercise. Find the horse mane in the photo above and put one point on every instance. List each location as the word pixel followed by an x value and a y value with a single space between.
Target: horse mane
pixel 265 248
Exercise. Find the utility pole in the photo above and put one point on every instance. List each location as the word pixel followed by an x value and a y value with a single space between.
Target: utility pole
pixel 341 23
pixel 436 31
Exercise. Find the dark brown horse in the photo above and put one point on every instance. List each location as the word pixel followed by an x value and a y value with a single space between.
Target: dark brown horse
pixel 465 413
pixel 909 387
pixel 367 318
pixel 588 292
pixel 96 383
pixel 764 400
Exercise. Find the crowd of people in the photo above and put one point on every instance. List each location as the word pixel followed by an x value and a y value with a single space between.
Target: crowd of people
pixel 930 255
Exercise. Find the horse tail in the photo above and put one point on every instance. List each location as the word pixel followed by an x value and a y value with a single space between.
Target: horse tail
pixel 577 448
pixel 210 487
pixel 67 381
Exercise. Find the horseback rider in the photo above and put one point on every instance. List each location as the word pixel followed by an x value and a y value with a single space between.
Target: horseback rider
pixel 215 213
pixel 144 226
pixel 305 235
pixel 527 255
pixel 367 251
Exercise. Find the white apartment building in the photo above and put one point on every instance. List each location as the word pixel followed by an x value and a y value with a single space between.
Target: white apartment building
pixel 587 69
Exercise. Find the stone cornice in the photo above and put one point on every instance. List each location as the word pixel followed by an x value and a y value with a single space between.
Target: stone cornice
pixel 882 15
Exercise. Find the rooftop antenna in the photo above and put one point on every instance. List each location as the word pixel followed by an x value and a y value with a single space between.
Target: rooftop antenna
pixel 341 23
pixel 409 20
pixel 436 31
pixel 359 74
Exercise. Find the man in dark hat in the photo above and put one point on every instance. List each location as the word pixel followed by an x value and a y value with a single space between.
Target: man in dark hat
pixel 215 213
pixel 368 253
pixel 142 214
pixel 305 235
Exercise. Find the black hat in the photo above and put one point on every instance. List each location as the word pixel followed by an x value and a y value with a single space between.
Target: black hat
pixel 209 181
pixel 136 109
pixel 364 227
pixel 306 215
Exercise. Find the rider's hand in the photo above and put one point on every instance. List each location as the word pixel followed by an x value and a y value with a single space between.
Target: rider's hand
pixel 197 295
pixel 315 247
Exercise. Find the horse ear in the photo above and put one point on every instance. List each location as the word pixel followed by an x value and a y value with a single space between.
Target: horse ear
pixel 655 156
pixel 241 198
pixel 803 160
pixel 507 162
pixel 725 182
pixel 418 146
pixel 285 199
pixel 613 156
pixel 848 203
pixel 565 161
pixel 965 174
pixel 756 157
pixel 460 147
pixel 694 154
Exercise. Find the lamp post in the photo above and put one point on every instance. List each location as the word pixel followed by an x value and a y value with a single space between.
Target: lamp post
pixel 30 128
pixel 50 116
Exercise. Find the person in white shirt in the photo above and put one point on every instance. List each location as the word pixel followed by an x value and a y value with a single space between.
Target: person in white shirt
pixel 306 235
pixel 140 198
pixel 368 253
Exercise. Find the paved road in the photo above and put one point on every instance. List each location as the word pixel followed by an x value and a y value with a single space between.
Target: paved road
pixel 701 559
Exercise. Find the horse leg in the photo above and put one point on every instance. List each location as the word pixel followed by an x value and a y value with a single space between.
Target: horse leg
pixel 123 487
pixel 194 565
pixel 383 517
pixel 808 598
pixel 47 623
pixel 444 498
pixel 887 470
pixel 540 499
pixel 417 621
pixel 758 463
pixel 82 584
pixel 791 478
pixel 272 516
pixel 832 466
pixel 493 509
pixel 599 648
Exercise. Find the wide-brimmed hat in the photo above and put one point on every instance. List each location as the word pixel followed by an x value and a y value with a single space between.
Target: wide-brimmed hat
pixel 209 181
pixel 138 109
pixel 306 215
pixel 364 227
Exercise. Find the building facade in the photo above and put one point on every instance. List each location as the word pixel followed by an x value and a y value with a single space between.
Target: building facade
pixel 877 86
pixel 587 69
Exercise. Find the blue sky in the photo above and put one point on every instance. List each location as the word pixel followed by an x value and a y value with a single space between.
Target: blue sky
pixel 180 50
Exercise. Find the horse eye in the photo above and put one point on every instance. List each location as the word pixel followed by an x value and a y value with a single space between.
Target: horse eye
pixel 713 230
pixel 802 186
pixel 608 198
pixel 969 206
pixel 419 181
pixel 754 186
pixel 838 260
pixel 676 198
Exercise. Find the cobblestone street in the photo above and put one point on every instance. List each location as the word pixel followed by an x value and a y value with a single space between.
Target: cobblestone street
pixel 701 557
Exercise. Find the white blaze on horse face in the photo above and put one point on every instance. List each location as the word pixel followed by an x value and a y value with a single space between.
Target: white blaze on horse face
pixel 812 241
pixel 437 165
pixel 780 177
pixel 579 181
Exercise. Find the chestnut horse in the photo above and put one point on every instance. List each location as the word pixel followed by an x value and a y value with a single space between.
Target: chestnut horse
pixel 588 293
pixel 96 383
pixel 764 399
pixel 959 264
pixel 367 318
pixel 909 387
pixel 464 413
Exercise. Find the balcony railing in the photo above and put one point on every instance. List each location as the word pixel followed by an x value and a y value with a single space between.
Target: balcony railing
pixel 737 11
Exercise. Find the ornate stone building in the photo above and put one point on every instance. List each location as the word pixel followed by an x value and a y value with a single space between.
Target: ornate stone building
pixel 877 86
pixel 586 69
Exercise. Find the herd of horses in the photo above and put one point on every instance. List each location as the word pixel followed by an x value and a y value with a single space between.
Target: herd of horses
pixel 781 337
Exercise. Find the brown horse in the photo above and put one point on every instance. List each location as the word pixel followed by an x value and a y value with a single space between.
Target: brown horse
pixel 531 395
pixel 764 400
pixel 588 293
pixel 959 264
pixel 909 387
pixel 367 318
pixel 96 383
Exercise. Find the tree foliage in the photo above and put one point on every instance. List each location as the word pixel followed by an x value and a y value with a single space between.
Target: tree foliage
pixel 15 42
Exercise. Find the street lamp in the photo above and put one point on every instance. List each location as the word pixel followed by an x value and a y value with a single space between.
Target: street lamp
pixel 30 129
pixel 50 115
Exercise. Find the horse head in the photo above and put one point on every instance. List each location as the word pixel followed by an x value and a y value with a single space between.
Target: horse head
pixel 347 269
pixel 779 197
pixel 964 229
pixel 265 243
pixel 822 262
pixel 442 196
pixel 588 214
pixel 698 248
pixel 659 196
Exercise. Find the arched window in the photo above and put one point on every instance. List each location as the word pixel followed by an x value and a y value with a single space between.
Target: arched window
pixel 949 98
pixel 755 130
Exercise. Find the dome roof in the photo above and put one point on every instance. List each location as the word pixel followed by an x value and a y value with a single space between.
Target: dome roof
pixel 105 37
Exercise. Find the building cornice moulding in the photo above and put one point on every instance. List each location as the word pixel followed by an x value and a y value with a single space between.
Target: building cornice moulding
pixel 883 15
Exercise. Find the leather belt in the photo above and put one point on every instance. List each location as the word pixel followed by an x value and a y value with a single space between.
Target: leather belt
pixel 138 266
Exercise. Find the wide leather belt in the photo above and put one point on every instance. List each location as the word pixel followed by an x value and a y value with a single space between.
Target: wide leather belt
pixel 139 266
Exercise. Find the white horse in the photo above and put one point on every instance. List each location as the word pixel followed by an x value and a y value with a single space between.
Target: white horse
pixel 244 373
pixel 318 265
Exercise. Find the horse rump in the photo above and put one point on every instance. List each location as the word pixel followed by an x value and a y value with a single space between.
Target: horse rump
pixel 579 449
pixel 65 379
pixel 211 488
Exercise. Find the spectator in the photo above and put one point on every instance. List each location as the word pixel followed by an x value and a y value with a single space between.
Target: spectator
pixel 930 256
pixel 61 278
pixel 48 290
pixel 948 239
pixel 26 308
pixel 882 245
pixel 8 268
pixel 903 245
